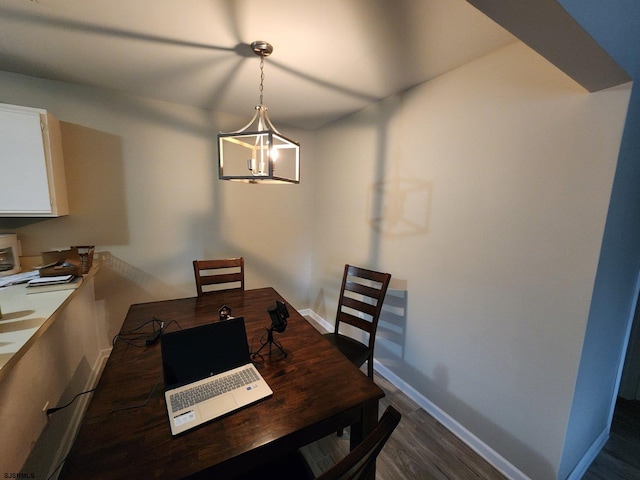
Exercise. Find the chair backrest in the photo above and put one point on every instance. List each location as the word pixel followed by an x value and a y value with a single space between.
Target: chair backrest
pixel 361 461
pixel 221 274
pixel 361 298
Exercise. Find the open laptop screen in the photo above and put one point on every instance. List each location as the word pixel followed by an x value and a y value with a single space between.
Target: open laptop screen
pixel 193 354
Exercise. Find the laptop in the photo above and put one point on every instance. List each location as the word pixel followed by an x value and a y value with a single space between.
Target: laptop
pixel 208 373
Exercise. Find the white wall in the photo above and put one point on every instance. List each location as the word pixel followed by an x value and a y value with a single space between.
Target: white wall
pixel 143 188
pixel 63 361
pixel 484 192
pixel 612 307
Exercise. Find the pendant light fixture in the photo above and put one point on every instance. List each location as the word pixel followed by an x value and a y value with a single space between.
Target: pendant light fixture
pixel 258 152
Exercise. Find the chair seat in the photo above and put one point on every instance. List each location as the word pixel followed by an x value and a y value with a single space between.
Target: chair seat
pixel 355 351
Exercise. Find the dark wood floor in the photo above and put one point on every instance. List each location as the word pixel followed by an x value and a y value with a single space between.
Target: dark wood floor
pixel 420 447
pixel 620 457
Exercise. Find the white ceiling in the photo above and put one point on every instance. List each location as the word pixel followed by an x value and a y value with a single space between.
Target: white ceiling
pixel 331 57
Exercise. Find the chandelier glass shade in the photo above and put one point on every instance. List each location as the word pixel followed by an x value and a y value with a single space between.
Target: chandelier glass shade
pixel 258 152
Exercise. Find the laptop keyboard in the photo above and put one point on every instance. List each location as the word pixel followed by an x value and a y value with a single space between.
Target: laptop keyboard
pixel 206 391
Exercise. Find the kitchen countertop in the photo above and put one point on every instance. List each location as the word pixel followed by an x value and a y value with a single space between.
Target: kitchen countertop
pixel 25 317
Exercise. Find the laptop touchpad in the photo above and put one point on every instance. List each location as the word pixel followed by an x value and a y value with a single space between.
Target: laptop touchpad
pixel 217 406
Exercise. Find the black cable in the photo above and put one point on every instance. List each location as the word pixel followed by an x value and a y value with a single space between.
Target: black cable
pixel 148 338
pixel 172 321
pixel 153 321
pixel 137 341
pixel 140 404
pixel 143 340
pixel 53 474
pixel 112 411
pixel 55 409
pixel 253 354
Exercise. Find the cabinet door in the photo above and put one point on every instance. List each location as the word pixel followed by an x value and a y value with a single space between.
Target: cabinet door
pixel 27 186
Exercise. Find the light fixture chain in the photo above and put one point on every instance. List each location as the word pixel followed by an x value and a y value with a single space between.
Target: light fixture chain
pixel 249 155
pixel 261 77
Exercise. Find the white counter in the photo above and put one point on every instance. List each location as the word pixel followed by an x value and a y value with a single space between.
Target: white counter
pixel 25 317
pixel 51 350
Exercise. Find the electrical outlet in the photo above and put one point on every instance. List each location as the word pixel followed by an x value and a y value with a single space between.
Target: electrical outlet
pixel 44 412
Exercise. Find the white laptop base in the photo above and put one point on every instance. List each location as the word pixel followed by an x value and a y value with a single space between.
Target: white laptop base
pixel 212 397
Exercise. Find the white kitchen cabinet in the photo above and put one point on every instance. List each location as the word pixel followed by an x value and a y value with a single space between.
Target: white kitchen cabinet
pixel 32 178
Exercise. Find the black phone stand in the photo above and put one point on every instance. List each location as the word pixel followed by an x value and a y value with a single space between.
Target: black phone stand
pixel 279 314
pixel 269 341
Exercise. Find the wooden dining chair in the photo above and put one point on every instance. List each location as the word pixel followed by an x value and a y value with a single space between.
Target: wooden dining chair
pixel 360 304
pixel 221 274
pixel 356 465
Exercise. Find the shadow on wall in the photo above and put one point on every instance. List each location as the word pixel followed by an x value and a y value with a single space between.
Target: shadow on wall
pixel 47 450
pixel 400 206
pixel 391 335
pixel 96 192
pixel 390 349
pixel 119 285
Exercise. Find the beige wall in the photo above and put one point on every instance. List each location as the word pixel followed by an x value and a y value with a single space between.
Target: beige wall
pixel 64 360
pixel 484 192
pixel 143 188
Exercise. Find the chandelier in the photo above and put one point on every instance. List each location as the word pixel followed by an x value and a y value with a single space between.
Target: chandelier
pixel 258 152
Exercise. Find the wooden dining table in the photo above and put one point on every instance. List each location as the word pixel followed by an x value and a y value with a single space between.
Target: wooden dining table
pixel 316 392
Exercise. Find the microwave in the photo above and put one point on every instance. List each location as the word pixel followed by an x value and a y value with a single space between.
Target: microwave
pixel 9 254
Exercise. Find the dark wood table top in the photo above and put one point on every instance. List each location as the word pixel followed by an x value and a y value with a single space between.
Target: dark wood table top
pixel 316 390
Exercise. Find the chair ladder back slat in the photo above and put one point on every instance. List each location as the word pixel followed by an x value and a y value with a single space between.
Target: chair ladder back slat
pixel 221 278
pixel 365 273
pixel 377 294
pixel 359 306
pixel 204 272
pixel 220 263
pixel 365 290
pixel 360 281
pixel 355 321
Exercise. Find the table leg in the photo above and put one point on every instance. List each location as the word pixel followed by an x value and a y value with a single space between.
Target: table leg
pixel 368 421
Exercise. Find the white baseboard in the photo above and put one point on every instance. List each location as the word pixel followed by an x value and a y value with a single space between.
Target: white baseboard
pixel 79 410
pixel 585 462
pixel 477 445
pixel 323 323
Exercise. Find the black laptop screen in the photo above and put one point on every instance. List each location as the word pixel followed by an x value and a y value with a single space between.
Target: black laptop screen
pixel 193 354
